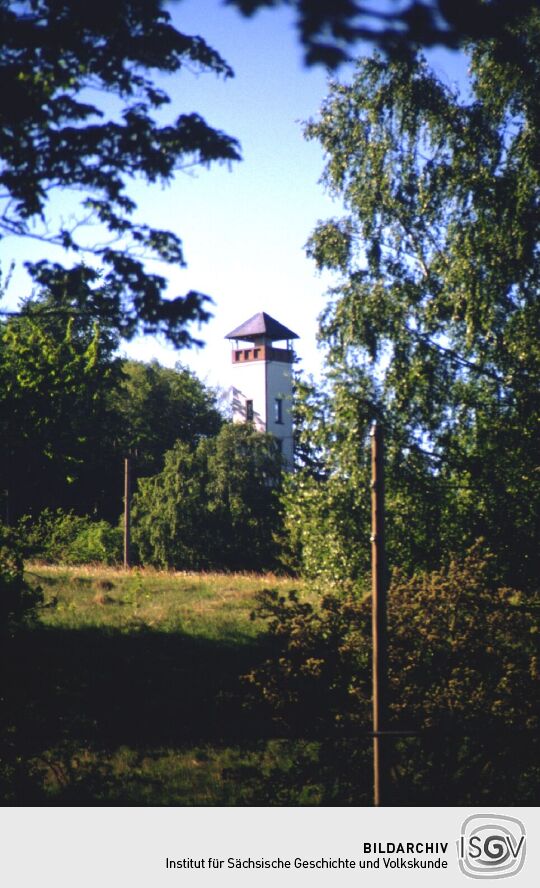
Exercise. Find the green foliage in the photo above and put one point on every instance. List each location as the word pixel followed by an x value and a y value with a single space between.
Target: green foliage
pixel 70 410
pixel 431 327
pixel 56 428
pixel 169 526
pixel 98 542
pixel 242 491
pixel 157 406
pixel 81 113
pixel 463 668
pixel 321 522
pixel 328 28
pixel 326 501
pixel 63 537
pixel 462 650
pixel 212 506
pixel 17 599
pixel 317 679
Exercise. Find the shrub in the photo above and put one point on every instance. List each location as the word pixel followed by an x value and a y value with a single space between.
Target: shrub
pixel 58 536
pixel 17 599
pixel 214 506
pixel 463 672
pixel 18 602
pixel 97 542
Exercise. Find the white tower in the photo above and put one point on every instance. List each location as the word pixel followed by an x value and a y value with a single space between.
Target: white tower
pixel 262 379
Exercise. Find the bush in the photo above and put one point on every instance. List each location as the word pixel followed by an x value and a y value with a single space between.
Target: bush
pixel 63 537
pixel 463 672
pixel 17 599
pixel 214 506
pixel 97 542
pixel 322 521
pixel 18 602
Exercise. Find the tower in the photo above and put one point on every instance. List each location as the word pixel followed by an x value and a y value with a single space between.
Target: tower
pixel 262 379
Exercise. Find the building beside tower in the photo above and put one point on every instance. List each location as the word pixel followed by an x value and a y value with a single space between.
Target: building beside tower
pixel 262 378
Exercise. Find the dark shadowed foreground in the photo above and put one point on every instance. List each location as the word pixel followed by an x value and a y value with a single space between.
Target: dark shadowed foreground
pixel 127 691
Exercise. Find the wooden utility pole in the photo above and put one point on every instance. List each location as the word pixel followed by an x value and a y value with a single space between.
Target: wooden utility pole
pixel 378 620
pixel 127 512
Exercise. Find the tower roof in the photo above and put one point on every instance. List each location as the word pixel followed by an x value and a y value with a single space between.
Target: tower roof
pixel 261 324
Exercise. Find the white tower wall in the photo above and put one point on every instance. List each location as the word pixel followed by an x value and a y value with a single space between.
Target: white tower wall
pixel 279 388
pixel 249 384
pixel 264 383
pixel 262 380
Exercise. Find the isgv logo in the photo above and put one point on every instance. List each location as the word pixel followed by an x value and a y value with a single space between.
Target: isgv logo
pixel 491 846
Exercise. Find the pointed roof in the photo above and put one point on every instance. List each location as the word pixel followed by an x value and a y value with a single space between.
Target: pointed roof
pixel 262 324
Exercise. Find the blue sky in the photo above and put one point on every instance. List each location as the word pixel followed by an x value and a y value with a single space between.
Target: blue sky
pixel 243 228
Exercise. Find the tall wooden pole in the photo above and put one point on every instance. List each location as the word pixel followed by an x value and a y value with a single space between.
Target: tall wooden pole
pixel 127 512
pixel 378 621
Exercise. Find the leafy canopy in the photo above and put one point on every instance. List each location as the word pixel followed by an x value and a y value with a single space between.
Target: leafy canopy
pixel 329 28
pixel 157 406
pixel 80 112
pixel 56 426
pixel 71 410
pixel 214 505
pixel 432 325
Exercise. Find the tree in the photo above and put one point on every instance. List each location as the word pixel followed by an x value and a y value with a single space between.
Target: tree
pixel 157 406
pixel 57 430
pixel 80 111
pixel 432 324
pixel 57 56
pixel 329 28
pixel 213 506
pixel 71 409
pixel 244 474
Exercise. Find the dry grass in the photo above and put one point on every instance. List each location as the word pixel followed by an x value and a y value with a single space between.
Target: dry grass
pixel 212 605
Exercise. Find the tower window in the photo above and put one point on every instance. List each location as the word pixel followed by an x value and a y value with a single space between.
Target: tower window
pixel 249 411
pixel 278 411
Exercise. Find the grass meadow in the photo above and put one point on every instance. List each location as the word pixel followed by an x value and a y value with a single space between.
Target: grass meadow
pixel 127 691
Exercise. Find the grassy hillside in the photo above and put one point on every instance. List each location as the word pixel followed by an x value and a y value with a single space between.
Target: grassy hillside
pixel 211 606
pixel 127 691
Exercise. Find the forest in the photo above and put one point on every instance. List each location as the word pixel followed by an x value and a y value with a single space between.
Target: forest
pixel 430 329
